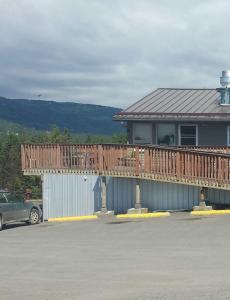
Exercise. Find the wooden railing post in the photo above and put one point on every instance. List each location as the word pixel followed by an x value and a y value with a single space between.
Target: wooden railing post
pixel 137 162
pixel 100 158
pixel 23 165
pixel 219 169
pixel 178 164
pixel 147 161
pixel 58 151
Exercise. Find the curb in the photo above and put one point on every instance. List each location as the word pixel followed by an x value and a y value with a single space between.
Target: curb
pixel 69 219
pixel 210 212
pixel 148 215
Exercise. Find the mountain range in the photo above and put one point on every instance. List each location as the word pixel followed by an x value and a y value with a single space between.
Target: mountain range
pixel 17 114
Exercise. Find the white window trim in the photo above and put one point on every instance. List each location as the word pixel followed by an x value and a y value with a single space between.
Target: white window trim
pixel 228 135
pixel 179 132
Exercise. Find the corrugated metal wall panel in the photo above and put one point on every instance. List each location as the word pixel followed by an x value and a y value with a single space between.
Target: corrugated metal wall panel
pixel 219 196
pixel 154 195
pixel 120 194
pixel 70 195
pixel 168 196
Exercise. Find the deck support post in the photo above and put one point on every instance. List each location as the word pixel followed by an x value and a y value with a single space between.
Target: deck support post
pixel 103 195
pixel 104 211
pixel 138 209
pixel 138 195
pixel 202 204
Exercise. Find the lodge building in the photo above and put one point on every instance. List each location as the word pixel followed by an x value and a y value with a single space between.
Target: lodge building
pixel 178 145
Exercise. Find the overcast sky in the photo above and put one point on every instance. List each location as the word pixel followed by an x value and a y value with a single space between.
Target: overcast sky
pixel 110 52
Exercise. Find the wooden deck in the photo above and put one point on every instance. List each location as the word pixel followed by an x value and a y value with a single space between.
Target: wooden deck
pixel 201 166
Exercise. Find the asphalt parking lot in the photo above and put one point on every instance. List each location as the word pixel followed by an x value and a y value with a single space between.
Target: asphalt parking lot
pixel 177 257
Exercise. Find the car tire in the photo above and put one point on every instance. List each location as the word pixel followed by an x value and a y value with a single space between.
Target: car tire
pixel 34 217
pixel 1 225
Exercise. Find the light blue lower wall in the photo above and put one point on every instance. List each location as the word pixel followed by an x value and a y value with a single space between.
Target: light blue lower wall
pixel 154 195
pixel 120 194
pixel 72 195
pixel 219 196
pixel 169 196
pixel 77 195
pixel 69 195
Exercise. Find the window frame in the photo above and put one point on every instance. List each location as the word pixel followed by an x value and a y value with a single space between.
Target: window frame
pixel 179 133
pixel 133 131
pixel 163 123
pixel 228 135
pixel 4 197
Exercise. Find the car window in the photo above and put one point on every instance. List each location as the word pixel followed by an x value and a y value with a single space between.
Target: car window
pixel 12 198
pixel 2 198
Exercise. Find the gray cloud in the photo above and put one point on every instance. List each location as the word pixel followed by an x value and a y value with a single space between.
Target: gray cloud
pixel 110 52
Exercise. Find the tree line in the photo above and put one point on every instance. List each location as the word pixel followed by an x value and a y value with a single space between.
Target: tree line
pixel 11 176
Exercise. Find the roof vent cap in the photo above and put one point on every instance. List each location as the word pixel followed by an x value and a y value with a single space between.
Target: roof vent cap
pixel 225 79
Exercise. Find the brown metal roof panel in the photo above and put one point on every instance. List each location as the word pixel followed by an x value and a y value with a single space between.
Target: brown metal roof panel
pixel 212 105
pixel 155 98
pixel 221 109
pixel 144 101
pixel 199 100
pixel 188 102
pixel 165 103
pixel 208 104
pixel 180 99
pixel 190 105
pixel 173 100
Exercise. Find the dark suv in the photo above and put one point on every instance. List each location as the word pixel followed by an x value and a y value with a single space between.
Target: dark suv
pixel 14 208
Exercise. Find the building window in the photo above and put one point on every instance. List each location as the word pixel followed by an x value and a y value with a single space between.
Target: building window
pixel 228 136
pixel 166 134
pixel 142 133
pixel 188 135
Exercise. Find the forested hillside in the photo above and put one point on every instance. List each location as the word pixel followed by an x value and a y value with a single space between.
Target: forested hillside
pixel 35 121
pixel 42 115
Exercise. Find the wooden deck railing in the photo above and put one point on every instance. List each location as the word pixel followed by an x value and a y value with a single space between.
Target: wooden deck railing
pixel 218 149
pixel 195 167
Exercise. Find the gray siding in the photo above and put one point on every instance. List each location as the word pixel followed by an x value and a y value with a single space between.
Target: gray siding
pixel 129 132
pixel 212 134
pixel 154 133
pixel 209 133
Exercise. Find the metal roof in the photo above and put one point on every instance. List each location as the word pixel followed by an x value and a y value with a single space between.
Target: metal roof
pixel 172 103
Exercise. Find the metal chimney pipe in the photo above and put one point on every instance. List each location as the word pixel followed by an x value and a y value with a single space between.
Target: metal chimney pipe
pixel 225 79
